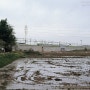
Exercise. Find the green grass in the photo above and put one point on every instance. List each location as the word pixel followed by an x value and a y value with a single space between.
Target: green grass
pixel 7 58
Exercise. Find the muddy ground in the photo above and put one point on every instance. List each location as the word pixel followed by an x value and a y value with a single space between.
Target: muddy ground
pixel 47 74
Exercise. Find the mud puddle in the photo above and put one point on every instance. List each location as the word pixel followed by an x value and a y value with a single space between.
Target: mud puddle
pixel 46 73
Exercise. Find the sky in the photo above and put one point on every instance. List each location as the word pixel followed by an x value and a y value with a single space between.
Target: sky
pixel 50 20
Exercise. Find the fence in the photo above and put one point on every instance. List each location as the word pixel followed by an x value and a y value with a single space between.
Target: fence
pixel 42 42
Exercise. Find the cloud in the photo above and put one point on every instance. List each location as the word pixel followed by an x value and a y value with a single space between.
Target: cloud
pixel 11 4
pixel 48 19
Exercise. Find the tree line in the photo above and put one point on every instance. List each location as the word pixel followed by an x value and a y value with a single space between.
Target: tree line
pixel 7 37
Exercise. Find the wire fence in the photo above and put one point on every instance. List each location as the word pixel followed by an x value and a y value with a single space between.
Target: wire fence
pixel 43 42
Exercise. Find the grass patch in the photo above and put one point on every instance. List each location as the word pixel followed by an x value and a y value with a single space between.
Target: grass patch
pixel 32 52
pixel 7 58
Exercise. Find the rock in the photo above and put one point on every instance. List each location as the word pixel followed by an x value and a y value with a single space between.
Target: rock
pixel 23 78
pixel 57 79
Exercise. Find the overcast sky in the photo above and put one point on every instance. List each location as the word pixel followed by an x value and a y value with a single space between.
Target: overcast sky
pixel 50 20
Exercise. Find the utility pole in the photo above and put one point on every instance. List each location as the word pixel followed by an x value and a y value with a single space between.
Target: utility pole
pixel 25 34
pixel 81 42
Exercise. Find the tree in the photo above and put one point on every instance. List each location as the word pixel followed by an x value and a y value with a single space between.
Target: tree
pixel 1 43
pixel 7 35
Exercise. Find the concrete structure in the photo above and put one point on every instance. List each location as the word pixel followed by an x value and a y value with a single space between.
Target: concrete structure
pixel 46 48
pixel 38 48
